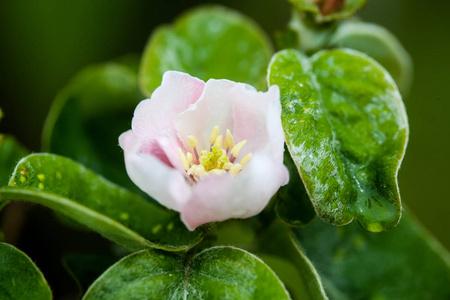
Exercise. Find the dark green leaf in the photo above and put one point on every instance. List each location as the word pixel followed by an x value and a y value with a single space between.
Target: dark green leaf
pixel 277 245
pixel 215 273
pixel 90 113
pixel 117 214
pixel 346 130
pixel 86 268
pixel 293 206
pixel 404 263
pixel 10 153
pixel 20 279
pixel 325 13
pixel 208 42
pixel 380 44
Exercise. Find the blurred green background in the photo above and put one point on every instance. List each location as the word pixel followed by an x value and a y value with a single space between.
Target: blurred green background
pixel 44 43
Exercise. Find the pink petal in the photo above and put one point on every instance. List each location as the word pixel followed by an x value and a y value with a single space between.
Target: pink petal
pixel 152 174
pixel 212 109
pixel 154 118
pixel 221 197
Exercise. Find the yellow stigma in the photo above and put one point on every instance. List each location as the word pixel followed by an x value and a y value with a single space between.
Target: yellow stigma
pixel 219 159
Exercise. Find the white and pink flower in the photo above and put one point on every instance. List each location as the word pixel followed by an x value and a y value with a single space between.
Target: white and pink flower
pixel 211 151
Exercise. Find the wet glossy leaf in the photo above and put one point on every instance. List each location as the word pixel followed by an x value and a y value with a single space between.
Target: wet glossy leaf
pixel 215 273
pixel 90 113
pixel 346 130
pixel 115 213
pixel 329 10
pixel 208 42
pixel 381 45
pixel 10 153
pixel 293 206
pixel 20 279
pixel 404 263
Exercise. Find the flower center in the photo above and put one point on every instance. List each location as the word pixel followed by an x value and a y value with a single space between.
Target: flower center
pixel 219 160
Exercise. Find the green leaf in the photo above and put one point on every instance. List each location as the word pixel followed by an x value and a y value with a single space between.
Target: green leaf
pixel 10 153
pixel 321 14
pixel 86 268
pixel 293 206
pixel 20 279
pixel 381 45
pixel 215 273
pixel 207 42
pixel 278 245
pixel 346 130
pixel 115 213
pixel 90 113
pixel 404 263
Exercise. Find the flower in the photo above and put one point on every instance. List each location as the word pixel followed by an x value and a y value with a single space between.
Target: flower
pixel 211 151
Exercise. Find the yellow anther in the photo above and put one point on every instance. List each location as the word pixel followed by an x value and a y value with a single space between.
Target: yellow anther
pixel 183 159
pixel 235 169
pixel 204 153
pixel 245 159
pixel 237 148
pixel 192 140
pixel 227 166
pixel 218 141
pixel 217 172
pixel 214 134
pixel 229 141
pixel 189 158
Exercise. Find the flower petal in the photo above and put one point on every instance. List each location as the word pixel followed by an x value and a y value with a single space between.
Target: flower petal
pixel 221 197
pixel 152 175
pixel 154 118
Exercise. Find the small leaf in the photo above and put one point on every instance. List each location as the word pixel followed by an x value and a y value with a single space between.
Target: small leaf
pixel 115 213
pixel 381 45
pixel 90 113
pixel 405 263
pixel 293 206
pixel 346 130
pixel 215 273
pixel 208 42
pixel 20 279
pixel 10 153
pixel 329 10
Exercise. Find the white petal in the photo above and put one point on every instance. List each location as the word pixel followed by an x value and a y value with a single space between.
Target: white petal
pixel 217 198
pixel 163 183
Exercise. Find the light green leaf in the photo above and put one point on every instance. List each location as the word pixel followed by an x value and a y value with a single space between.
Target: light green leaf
pixel 10 153
pixel 381 45
pixel 208 42
pixel 20 279
pixel 293 206
pixel 346 130
pixel 215 273
pixel 404 263
pixel 321 14
pixel 115 213
pixel 90 113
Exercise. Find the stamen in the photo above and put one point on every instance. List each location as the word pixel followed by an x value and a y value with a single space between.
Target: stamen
pixel 192 140
pixel 245 159
pixel 229 141
pixel 214 134
pixel 217 172
pixel 189 158
pixel 183 159
pixel 218 141
pixel 237 148
pixel 236 169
